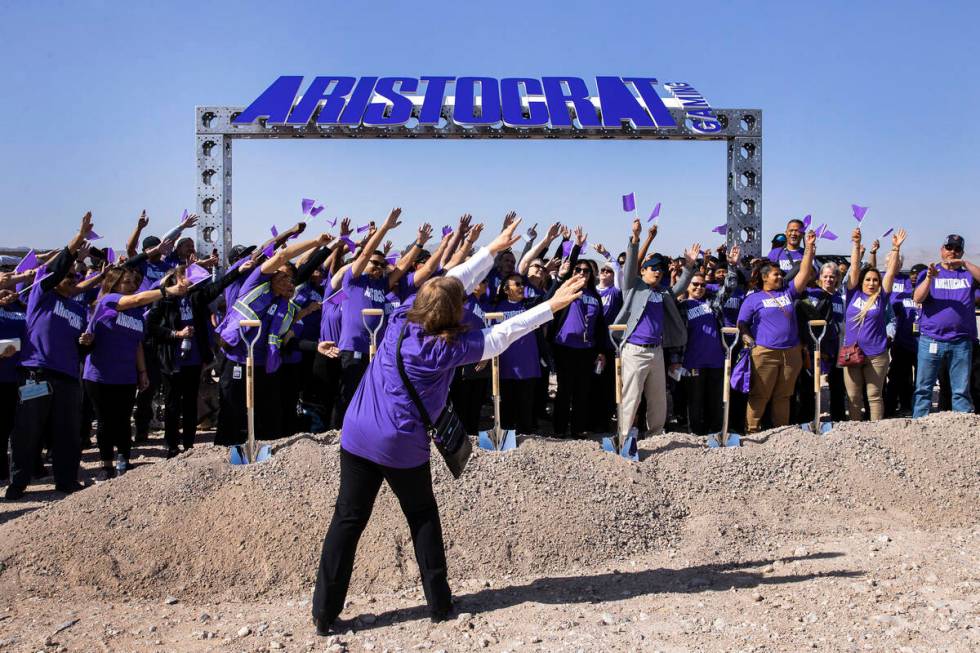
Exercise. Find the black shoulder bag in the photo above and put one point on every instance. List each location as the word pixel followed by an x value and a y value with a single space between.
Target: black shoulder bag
pixel 448 432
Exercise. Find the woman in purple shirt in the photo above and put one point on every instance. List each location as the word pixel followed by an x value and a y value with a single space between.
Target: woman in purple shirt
pixel 384 439
pixel 12 327
pixel 865 317
pixel 115 365
pixel 50 360
pixel 767 321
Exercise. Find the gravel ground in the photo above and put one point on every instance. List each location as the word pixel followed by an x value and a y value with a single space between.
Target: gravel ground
pixel 866 539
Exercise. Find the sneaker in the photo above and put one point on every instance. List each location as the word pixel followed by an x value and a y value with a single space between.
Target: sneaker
pixel 14 493
pixel 333 628
pixel 173 451
pixel 71 488
pixel 445 614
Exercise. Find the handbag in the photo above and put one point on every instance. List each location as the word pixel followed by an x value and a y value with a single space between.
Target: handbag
pixel 742 372
pixel 850 356
pixel 447 432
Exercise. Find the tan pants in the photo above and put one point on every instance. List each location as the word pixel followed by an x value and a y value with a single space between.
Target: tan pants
pixel 868 376
pixel 644 375
pixel 774 373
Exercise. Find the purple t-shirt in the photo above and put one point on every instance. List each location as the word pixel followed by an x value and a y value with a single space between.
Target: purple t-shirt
pixel 786 258
pixel 732 306
pixel 870 335
pixel 521 360
pixel 947 314
pixel 112 359
pixel 308 293
pixel 650 328
pixel 54 324
pixel 153 271
pixel 330 322
pixel 382 423
pixel 363 292
pixel 474 313
pixel 771 317
pixel 704 349
pixel 612 302
pixel 906 313
pixel 578 329
pixel 13 324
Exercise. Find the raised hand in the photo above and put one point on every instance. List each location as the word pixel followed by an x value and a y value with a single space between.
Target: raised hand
pixel 856 235
pixel 86 227
pixel 391 222
pixel 532 233
pixel 652 231
pixel 464 222
pixel 932 271
pixel 553 232
pixel 425 233
pixel 874 246
pixel 580 236
pixel 324 239
pixel 506 238
pixel 601 250
pixel 691 254
pixel 189 221
pixel 509 218
pixel 566 232
pixel 898 238
pixel 143 221
pixel 345 229
pixel 637 228
pixel 811 239
pixel 734 255
pixel 474 233
pixel 387 247
pixel 567 293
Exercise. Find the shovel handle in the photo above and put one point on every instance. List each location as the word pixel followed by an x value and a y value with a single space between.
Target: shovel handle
pixel 249 323
pixel 819 323
pixel 495 373
pixel 619 380
pixel 372 312
pixel 816 369
pixel 728 386
pixel 493 317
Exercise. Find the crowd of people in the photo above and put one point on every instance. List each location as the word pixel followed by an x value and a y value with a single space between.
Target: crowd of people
pixel 88 336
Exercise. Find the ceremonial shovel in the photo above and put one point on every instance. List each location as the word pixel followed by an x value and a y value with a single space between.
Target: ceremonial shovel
pixel 816 426
pixel 496 439
pixel 621 444
pixel 245 454
pixel 726 439
pixel 365 314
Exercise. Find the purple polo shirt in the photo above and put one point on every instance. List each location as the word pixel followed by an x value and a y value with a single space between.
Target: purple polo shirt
pixel 578 329
pixel 330 322
pixel 870 335
pixel 732 306
pixel 54 324
pixel 13 324
pixel 786 258
pixel 382 423
pixel 947 314
pixel 118 334
pixel 521 360
pixel 704 349
pixel 362 292
pixel 153 271
pixel 650 328
pixel 906 313
pixel 771 317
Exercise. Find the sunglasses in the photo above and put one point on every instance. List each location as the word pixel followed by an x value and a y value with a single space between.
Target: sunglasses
pixel 952 248
pixel 379 264
pixel 535 265
pixel 517 284
pixel 582 270
pixel 697 285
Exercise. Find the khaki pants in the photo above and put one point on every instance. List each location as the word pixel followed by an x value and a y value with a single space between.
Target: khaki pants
pixel 644 375
pixel 774 373
pixel 868 376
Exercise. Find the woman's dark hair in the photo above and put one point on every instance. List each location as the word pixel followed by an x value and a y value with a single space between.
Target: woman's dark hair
pixel 590 283
pixel 760 272
pixel 438 307
pixel 502 288
pixel 113 275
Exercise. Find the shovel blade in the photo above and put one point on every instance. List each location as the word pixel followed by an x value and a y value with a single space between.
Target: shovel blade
pixel 237 455
pixel 609 445
pixel 825 428
pixel 714 441
pixel 509 442
pixel 264 454
pixel 629 450
pixel 486 441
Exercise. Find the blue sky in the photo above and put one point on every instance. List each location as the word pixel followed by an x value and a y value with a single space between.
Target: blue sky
pixel 873 103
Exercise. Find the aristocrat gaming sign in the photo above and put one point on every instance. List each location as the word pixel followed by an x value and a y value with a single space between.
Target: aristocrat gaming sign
pixel 517 102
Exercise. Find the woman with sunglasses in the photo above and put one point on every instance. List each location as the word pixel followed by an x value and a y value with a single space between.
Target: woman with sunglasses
pixel 947 326
pixel 579 337
pixel 767 322
pixel 116 364
pixel 51 395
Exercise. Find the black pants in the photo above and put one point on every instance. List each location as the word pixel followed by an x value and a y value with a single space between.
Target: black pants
pixel 604 391
pixel 360 480
pixel 468 395
pixel 180 407
pixel 56 416
pixel 232 416
pixel 85 423
pixel 352 368
pixel 704 400
pixel 900 383
pixel 574 402
pixel 113 405
pixel 327 372
pixel 144 399
pixel 738 404
pixel 288 376
pixel 8 408
pixel 517 405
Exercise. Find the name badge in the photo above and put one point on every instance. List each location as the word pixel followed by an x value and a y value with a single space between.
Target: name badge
pixel 236 372
pixel 33 390
pixel 358 355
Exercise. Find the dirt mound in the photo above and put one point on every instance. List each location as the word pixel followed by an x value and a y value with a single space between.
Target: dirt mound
pixel 198 528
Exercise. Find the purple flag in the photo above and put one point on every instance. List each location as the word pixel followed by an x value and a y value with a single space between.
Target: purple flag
pixel 887 233
pixel 828 235
pixel 859 211
pixel 110 255
pixel 307 205
pixel 566 248
pixel 446 231
pixel 655 213
pixel 316 210
pixel 806 222
pixel 196 274
pixel 332 223
pixel 351 245
pixel 183 216
pixel 721 229
pixel 29 262
pixel 337 298
pixel 629 202
pixel 363 228
pixel 275 232
pixel 93 236
pixel 392 258
pixel 270 250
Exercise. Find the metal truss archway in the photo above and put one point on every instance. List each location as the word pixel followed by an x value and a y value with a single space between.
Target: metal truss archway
pixel 215 133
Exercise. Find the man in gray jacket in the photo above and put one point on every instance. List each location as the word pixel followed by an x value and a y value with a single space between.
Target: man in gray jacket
pixel 653 323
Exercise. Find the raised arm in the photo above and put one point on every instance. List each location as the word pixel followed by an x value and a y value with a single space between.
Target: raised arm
pixel 497 338
pixel 631 270
pixel 139 299
pixel 410 256
pixel 463 250
pixel 684 280
pixel 132 244
pixel 921 292
pixel 806 265
pixel 476 268
pixel 873 254
pixel 854 271
pixel 894 260
pixel 186 223
pixel 539 248
pixel 457 240
pixel 651 234
pixel 282 256
pixel 391 222
pixel 429 268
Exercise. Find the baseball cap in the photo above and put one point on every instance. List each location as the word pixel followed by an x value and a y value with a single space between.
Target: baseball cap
pixel 238 251
pixel 779 240
pixel 655 261
pixel 150 241
pixel 954 241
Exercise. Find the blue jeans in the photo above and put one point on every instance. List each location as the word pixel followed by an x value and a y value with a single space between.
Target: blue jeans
pixel 957 355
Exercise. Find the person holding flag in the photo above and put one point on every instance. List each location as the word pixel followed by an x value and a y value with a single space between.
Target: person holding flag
pixel 789 254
